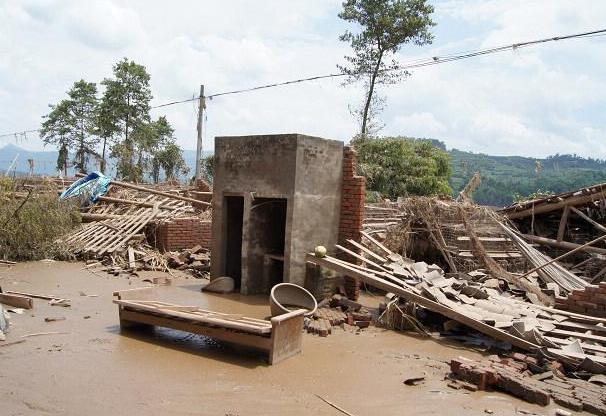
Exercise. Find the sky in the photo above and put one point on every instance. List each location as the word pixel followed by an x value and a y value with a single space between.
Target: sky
pixel 534 101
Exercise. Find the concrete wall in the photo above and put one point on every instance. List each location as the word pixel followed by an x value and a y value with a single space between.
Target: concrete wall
pixel 304 170
pixel 317 200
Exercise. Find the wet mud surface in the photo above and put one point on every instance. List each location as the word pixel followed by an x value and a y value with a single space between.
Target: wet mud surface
pixel 90 368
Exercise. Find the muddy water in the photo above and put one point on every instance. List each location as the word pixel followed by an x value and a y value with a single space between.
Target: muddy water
pixel 89 368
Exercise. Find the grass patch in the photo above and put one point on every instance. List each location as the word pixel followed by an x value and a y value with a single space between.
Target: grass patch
pixel 31 221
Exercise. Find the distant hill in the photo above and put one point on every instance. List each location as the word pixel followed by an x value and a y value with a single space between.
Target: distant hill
pixel 505 176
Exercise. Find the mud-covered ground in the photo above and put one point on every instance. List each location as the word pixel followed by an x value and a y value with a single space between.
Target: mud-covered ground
pixel 87 367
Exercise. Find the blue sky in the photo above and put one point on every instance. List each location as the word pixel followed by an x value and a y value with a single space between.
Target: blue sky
pixel 535 101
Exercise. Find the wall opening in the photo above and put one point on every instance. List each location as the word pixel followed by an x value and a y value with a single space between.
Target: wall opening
pixel 234 215
pixel 267 232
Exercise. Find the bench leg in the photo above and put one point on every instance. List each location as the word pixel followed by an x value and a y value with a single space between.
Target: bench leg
pixel 286 338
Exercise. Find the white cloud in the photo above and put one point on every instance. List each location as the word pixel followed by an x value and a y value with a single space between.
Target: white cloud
pixel 535 101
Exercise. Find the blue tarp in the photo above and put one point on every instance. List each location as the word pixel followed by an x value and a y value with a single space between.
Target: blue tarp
pixel 93 185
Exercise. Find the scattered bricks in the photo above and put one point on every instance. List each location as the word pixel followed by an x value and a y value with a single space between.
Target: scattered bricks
pixel 525 389
pixel 362 315
pixel 590 300
pixel 362 324
pixel 595 408
pixel 567 401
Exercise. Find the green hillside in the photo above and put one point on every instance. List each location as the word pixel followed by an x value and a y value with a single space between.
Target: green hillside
pixel 505 176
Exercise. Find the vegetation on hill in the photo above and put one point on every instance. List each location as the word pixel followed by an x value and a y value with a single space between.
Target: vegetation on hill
pixel 508 178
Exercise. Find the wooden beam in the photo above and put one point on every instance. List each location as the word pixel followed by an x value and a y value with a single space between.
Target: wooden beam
pixel 563 244
pixel 359 257
pixel 590 220
pixel 545 207
pixel 155 192
pixel 422 301
pixel 376 243
pixel 367 251
pixel 130 202
pixel 563 222
pixel 577 249
pixel 17 301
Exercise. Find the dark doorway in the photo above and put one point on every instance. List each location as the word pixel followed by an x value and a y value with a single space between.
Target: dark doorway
pixel 267 231
pixel 234 212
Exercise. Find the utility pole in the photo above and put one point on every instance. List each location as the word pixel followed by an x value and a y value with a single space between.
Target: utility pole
pixel 199 147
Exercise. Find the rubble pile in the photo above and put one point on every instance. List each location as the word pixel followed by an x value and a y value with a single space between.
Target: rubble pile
pixel 564 222
pixel 119 233
pixel 498 304
pixel 338 311
pixel 534 380
pixel 196 260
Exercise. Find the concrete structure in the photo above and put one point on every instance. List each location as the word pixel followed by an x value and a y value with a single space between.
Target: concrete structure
pixel 275 198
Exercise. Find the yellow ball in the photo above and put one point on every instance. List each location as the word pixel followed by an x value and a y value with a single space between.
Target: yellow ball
pixel 320 251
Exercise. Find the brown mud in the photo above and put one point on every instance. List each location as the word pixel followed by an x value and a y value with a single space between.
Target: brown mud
pixel 90 368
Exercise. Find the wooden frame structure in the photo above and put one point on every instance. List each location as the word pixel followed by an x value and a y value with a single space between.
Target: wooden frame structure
pixel 281 337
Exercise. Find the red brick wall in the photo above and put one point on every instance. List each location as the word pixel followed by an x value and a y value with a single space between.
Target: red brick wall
pixel 182 233
pixel 588 301
pixel 352 213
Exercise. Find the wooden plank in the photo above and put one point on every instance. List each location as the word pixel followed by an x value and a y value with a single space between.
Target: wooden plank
pixel 563 222
pixel 286 335
pixel 17 301
pixel 32 295
pixel 222 334
pixel 367 251
pixel 364 259
pixel 204 312
pixel 135 202
pixel 422 301
pixel 376 243
pixel 139 293
pixel 196 318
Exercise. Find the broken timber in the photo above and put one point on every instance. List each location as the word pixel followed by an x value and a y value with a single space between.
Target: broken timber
pixel 329 263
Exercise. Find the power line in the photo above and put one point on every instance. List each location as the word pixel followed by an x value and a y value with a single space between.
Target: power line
pixel 417 63
pixel 21 133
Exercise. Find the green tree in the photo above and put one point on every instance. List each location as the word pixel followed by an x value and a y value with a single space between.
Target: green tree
pixel 71 124
pixel 125 106
pixel 83 107
pixel 400 166
pixel 149 140
pixel 170 159
pixel 386 25
pixel 55 131
pixel 208 168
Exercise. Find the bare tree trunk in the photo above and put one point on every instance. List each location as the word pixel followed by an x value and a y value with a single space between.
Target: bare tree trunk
pixel 103 156
pixel 371 88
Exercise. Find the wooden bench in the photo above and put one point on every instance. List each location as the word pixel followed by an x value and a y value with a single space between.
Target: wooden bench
pixel 281 337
